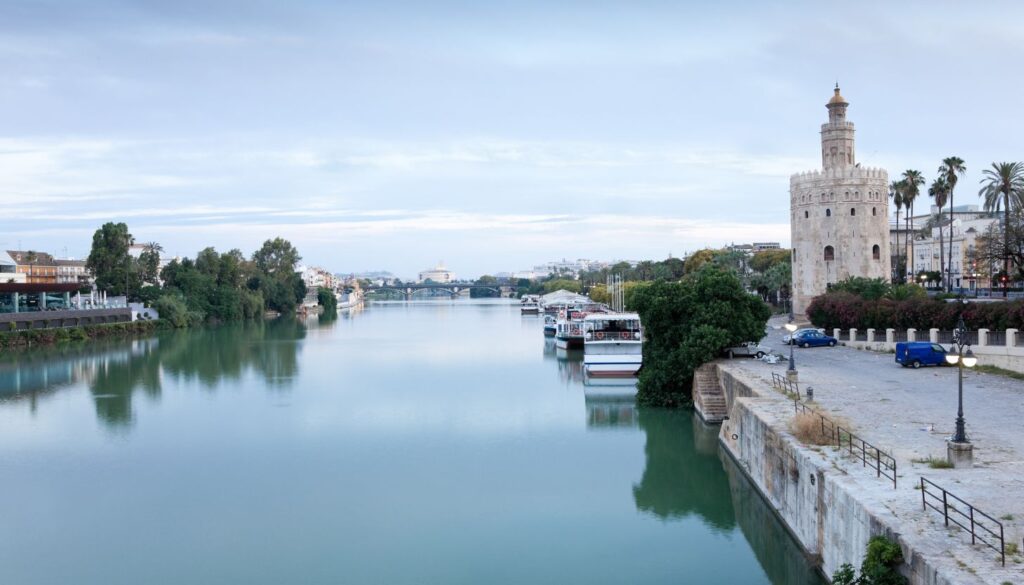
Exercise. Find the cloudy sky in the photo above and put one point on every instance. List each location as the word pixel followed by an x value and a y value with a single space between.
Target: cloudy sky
pixel 490 135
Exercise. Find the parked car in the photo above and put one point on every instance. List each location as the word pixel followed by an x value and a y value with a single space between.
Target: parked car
pixel 920 353
pixel 788 338
pixel 813 338
pixel 748 348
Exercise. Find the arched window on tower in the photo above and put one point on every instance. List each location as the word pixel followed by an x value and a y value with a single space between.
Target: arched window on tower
pixel 853 211
pixel 806 214
pixel 876 252
pixel 830 253
pixel 874 211
pixel 828 213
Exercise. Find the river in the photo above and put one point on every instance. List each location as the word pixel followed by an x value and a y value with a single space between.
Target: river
pixel 411 443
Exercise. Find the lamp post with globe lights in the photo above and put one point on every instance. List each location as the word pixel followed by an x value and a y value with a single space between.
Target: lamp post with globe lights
pixel 960 450
pixel 791 370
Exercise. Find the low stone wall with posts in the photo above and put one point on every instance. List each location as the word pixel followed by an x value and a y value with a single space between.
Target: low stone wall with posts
pixel 55 319
pixel 1003 349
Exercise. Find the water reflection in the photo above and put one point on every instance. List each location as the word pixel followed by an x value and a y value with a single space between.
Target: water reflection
pixel 114 371
pixel 605 414
pixel 688 474
pixel 683 475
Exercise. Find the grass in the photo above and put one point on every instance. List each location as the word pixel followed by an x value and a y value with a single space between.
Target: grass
pixel 807 428
pixel 1006 517
pixel 999 372
pixel 935 463
pixel 1011 548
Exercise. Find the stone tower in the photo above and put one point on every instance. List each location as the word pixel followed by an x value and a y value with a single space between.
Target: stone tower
pixel 839 216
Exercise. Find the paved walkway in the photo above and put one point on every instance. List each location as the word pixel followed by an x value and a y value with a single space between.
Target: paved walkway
pixel 911 413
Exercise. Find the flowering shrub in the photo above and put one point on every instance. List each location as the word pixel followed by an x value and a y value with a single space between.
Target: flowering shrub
pixel 844 310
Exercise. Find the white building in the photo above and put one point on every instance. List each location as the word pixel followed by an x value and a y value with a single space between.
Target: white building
pixel 9 269
pixel 438 274
pixel 964 272
pixel 316 277
pixel 839 216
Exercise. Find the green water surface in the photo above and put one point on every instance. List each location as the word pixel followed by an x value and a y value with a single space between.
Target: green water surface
pixel 411 443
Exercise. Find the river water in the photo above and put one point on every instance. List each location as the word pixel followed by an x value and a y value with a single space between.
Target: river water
pixel 411 443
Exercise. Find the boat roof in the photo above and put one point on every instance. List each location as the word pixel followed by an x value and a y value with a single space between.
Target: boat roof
pixel 612 317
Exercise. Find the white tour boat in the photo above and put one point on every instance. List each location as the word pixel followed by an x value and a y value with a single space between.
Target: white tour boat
pixel 569 328
pixel 529 305
pixel 612 344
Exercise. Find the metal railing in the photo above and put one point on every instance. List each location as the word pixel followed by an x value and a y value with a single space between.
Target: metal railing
pixel 980 525
pixel 872 457
pixel 947 337
pixel 996 338
pixel 784 384
pixel 900 335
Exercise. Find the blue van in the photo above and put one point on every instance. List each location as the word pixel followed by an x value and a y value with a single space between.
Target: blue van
pixel 920 353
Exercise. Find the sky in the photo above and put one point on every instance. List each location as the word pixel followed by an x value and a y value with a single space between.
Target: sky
pixel 492 136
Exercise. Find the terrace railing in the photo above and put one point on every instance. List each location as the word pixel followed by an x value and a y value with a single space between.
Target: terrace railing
pixel 872 457
pixel 784 384
pixel 982 527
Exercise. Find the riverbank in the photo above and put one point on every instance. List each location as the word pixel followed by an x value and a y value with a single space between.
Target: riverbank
pixel 23 339
pixel 833 502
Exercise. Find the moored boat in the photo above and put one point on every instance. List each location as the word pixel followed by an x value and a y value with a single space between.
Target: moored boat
pixel 550 326
pixel 569 329
pixel 529 305
pixel 612 344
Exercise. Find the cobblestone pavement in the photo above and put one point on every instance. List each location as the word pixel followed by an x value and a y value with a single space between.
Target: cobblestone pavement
pixel 910 413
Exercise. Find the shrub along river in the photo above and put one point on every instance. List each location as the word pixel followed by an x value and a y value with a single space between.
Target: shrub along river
pixel 411 443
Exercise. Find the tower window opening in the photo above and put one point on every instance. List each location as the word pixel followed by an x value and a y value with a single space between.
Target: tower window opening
pixel 828 213
pixel 874 211
pixel 853 211
pixel 806 214
pixel 876 252
pixel 830 253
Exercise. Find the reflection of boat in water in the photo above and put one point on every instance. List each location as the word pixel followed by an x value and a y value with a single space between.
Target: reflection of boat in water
pixel 612 344
pixel 603 413
pixel 570 364
pixel 605 388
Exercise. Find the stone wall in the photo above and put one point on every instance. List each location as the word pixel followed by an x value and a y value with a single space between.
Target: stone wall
pixel 72 318
pixel 832 513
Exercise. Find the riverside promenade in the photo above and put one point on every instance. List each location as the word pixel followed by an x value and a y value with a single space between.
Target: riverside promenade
pixel 910 413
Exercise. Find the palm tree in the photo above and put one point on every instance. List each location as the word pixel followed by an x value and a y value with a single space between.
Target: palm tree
pixel 939 191
pixel 153 248
pixel 31 258
pixel 1003 186
pixel 951 169
pixel 912 181
pixel 897 200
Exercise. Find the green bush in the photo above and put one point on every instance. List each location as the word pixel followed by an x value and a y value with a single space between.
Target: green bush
pixel 881 566
pixel 689 323
pixel 173 310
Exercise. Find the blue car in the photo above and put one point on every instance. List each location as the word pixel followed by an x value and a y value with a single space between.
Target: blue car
pixel 813 338
pixel 920 353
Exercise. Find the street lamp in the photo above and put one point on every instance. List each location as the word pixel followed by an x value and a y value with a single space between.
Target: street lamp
pixel 792 365
pixel 957 357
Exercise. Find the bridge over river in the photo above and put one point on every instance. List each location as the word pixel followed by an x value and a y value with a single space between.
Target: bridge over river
pixel 453 289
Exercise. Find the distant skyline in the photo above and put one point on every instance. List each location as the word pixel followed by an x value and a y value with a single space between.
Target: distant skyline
pixel 389 135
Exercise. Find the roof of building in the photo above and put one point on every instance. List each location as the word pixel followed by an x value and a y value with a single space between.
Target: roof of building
pixel 59 262
pixel 838 99
pixel 22 257
pixel 6 260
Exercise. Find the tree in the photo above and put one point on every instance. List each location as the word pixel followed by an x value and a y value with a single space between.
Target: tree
pixel 896 194
pixel 31 257
pixel 881 565
pixel 762 261
pixel 939 191
pixel 275 275
pixel 560 284
pixel 108 259
pixel 689 323
pixel 952 168
pixel 1003 185
pixel 911 186
pixel 699 258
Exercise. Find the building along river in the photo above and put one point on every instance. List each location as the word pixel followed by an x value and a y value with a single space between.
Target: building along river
pixel 412 443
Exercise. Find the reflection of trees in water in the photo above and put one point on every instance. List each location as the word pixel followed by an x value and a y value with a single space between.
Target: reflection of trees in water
pixel 681 479
pixel 688 473
pixel 115 370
